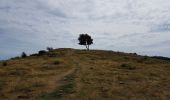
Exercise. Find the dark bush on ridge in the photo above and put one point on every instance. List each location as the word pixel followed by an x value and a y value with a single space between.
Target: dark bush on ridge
pixel 42 52
pixel 135 54
pixel 161 58
pixel 49 48
pixel 23 55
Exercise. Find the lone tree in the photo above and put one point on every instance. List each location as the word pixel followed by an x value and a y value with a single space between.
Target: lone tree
pixel 85 39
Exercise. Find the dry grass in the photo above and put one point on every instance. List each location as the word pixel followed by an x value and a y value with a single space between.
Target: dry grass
pixel 85 75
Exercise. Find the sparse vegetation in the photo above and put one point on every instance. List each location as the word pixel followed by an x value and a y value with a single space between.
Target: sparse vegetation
pixel 128 66
pixel 62 91
pixel 15 58
pixel 161 58
pixel 80 75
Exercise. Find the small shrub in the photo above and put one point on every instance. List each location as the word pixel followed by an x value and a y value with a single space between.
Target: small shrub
pixel 49 48
pixel 41 52
pixel 23 55
pixel 4 63
pixel 141 60
pixel 135 54
pixel 56 62
pixel 124 65
pixel 128 66
pixel 126 58
pixel 145 58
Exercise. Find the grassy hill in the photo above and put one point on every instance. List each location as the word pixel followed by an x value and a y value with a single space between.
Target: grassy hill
pixel 70 74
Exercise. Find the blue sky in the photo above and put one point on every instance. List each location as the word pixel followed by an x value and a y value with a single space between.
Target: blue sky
pixel 141 26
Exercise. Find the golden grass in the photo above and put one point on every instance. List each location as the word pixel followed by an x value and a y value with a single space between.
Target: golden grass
pixel 98 75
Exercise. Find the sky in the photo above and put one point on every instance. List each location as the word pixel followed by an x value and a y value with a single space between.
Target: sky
pixel 141 26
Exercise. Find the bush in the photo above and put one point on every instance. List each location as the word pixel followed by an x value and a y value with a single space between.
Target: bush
pixel 23 55
pixel 141 60
pixel 56 62
pixel 42 52
pixel 4 63
pixel 128 66
pixel 49 48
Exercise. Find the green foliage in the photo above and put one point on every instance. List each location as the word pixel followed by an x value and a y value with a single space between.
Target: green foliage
pixel 85 39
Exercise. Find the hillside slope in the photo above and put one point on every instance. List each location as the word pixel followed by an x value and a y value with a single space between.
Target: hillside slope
pixel 70 74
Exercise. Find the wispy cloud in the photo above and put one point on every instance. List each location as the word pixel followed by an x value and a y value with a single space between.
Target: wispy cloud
pixel 29 25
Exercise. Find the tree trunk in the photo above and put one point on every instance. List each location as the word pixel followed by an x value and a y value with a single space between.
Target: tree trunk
pixel 88 47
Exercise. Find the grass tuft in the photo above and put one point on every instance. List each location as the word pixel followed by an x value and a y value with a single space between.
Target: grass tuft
pixel 128 66
pixel 56 62
pixel 4 63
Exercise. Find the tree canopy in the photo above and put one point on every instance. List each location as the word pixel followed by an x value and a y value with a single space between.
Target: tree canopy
pixel 85 39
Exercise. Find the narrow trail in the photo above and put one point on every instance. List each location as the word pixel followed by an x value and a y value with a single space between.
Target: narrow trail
pixel 65 82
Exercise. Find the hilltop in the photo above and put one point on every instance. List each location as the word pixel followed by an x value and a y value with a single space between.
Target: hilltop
pixel 71 74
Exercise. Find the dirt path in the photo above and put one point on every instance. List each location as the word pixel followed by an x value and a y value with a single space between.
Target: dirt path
pixel 56 81
pixel 63 84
